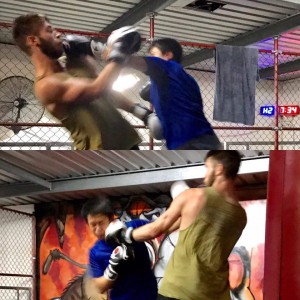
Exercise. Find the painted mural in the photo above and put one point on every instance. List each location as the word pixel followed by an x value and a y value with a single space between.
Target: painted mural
pixel 247 258
pixel 64 240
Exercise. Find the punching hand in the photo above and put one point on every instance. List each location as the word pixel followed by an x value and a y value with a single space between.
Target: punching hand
pixel 155 128
pixel 141 112
pixel 117 232
pixel 76 45
pixel 119 256
pixel 177 188
pixel 150 120
pixel 145 92
pixel 122 43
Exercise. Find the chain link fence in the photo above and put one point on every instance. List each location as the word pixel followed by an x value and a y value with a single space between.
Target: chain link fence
pixel 289 94
pixel 24 124
pixel 16 267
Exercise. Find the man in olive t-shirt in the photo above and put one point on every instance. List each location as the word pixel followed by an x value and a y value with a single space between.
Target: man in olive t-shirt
pixel 210 221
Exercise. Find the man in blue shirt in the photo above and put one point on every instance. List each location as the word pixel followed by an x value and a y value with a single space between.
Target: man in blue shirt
pixel 114 268
pixel 176 97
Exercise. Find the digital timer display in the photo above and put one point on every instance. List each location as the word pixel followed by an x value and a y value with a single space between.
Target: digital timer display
pixel 268 111
pixel 288 110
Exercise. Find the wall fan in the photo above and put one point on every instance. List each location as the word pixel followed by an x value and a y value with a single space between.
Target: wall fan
pixel 18 103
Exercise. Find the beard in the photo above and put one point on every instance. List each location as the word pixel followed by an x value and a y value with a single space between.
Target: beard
pixel 50 50
pixel 209 181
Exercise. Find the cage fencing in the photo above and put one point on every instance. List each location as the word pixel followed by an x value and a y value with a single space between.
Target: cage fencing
pixel 16 255
pixel 25 124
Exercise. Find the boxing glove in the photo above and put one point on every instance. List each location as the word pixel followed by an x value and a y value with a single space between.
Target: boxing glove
pixel 122 43
pixel 117 233
pixel 177 188
pixel 150 120
pixel 141 112
pixel 155 128
pixel 76 45
pixel 120 255
pixel 145 92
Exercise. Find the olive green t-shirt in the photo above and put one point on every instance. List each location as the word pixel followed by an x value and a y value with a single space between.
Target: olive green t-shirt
pixel 198 268
pixel 96 125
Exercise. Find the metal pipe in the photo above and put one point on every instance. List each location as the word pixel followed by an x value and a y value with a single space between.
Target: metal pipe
pixel 136 126
pixel 152 27
pixel 18 212
pixel 152 17
pixel 276 90
pixel 243 128
pixel 9 124
pixel 34 260
pixel 16 275
pixel 191 44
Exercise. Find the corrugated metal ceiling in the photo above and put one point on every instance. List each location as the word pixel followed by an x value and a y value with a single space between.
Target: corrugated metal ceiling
pixel 70 14
pixel 236 17
pixel 45 176
pixel 238 22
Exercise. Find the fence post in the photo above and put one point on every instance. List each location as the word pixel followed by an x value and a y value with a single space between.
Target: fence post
pixel 151 15
pixel 276 54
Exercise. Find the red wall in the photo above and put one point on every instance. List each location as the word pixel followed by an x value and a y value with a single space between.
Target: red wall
pixel 282 247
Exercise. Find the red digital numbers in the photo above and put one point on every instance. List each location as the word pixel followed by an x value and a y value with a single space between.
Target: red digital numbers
pixel 289 110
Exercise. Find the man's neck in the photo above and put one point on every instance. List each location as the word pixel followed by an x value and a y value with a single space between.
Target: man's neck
pixel 226 188
pixel 45 66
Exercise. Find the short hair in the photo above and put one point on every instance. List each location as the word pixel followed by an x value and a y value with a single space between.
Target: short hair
pixel 99 205
pixel 230 159
pixel 168 45
pixel 27 25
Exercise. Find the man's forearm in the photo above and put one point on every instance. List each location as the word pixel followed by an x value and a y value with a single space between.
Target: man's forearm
pixel 147 232
pixel 84 89
pixel 105 78
pixel 175 226
pixel 118 233
pixel 120 101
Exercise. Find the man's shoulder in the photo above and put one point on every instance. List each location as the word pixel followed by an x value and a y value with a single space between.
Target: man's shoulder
pixel 48 89
pixel 196 192
pixel 59 77
pixel 100 247
pixel 42 82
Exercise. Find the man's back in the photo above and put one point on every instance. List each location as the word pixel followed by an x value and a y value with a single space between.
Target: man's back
pixel 176 96
pixel 198 268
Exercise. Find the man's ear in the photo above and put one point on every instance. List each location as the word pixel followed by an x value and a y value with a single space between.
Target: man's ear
pixel 31 40
pixel 219 169
pixel 169 55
